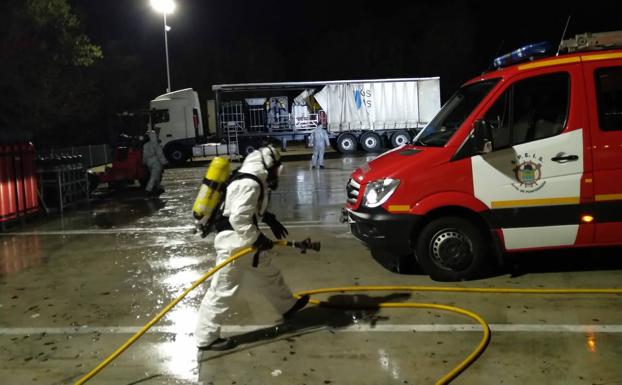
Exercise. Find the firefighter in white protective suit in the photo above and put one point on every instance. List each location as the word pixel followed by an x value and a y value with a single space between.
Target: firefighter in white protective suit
pixel 154 159
pixel 319 140
pixel 246 201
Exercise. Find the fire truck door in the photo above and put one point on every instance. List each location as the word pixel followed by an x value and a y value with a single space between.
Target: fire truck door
pixel 531 180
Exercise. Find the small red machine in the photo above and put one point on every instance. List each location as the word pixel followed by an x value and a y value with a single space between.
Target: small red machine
pixel 127 165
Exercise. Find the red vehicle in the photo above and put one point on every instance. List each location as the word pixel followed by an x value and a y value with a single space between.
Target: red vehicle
pixel 127 165
pixel 525 157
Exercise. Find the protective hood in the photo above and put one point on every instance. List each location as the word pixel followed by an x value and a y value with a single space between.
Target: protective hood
pixel 265 163
pixel 152 136
pixel 253 165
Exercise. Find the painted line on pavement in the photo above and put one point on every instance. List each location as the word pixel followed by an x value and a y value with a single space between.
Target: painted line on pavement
pixel 172 229
pixel 279 192
pixel 366 328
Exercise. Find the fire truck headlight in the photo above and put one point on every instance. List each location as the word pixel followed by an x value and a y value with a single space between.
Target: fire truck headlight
pixel 377 192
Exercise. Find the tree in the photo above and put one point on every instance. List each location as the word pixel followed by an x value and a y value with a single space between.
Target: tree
pixel 45 58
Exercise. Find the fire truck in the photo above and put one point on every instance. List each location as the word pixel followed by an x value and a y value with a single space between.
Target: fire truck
pixel 525 157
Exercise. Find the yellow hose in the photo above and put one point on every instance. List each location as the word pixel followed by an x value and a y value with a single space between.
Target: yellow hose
pixel 458 368
pixel 443 289
pixel 442 381
pixel 161 314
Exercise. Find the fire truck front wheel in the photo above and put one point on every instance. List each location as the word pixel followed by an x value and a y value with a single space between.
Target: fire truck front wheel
pixel 451 249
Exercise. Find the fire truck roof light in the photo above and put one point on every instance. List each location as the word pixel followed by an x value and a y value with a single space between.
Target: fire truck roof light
pixel 522 54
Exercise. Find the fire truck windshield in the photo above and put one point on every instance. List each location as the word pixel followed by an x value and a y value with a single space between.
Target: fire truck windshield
pixel 451 116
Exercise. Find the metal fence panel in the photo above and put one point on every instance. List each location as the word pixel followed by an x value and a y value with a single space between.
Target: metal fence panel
pixel 92 155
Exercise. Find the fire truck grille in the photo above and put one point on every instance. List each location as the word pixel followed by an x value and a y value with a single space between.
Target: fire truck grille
pixel 352 190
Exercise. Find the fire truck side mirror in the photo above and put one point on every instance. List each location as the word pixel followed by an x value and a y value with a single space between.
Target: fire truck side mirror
pixel 482 136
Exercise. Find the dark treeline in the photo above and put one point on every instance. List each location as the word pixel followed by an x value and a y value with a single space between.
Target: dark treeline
pixel 68 72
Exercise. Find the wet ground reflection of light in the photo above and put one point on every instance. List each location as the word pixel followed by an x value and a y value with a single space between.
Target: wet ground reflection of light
pixel 176 263
pixel 181 280
pixel 19 253
pixel 387 364
pixel 179 355
pixel 591 342
pixel 167 241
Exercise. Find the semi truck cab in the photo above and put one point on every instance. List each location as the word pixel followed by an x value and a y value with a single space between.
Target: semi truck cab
pixel 177 117
pixel 525 157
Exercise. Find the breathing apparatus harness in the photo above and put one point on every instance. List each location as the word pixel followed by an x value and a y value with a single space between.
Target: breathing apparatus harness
pixel 222 222
pixel 274 171
pixel 210 204
pixel 216 220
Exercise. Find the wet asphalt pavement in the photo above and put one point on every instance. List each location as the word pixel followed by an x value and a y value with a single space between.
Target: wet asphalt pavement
pixel 74 288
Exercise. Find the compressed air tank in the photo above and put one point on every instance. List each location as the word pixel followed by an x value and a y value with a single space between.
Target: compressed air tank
pixel 209 194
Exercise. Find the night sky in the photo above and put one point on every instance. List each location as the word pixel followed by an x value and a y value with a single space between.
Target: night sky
pixel 216 42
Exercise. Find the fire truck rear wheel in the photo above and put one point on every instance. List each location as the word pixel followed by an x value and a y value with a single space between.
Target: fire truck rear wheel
pixel 451 249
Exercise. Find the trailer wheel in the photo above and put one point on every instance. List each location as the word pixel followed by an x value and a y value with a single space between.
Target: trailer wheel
pixel 371 142
pixel 119 184
pixel 400 138
pixel 93 180
pixel 145 179
pixel 451 249
pixel 346 143
pixel 247 149
pixel 333 144
pixel 176 154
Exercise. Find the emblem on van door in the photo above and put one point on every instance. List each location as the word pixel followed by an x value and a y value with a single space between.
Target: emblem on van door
pixel 528 171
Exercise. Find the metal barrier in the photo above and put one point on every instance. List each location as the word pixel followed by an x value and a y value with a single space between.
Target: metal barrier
pixel 62 181
pixel 18 182
pixel 92 155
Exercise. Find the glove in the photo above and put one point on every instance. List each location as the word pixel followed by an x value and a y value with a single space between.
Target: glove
pixel 263 243
pixel 277 228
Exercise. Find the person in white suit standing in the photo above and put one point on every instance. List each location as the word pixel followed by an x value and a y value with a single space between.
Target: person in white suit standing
pixel 319 140
pixel 154 159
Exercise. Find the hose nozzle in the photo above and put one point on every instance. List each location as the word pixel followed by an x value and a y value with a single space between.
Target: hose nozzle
pixel 305 245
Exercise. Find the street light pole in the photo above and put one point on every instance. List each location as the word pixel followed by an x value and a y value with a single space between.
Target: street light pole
pixel 166 7
pixel 168 72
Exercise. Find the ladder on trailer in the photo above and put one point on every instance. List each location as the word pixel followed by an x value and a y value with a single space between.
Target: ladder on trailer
pixel 592 41
pixel 232 122
pixel 233 144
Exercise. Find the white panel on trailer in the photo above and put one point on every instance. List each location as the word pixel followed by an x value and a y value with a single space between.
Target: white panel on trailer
pixel 380 105
pixel 211 117
pixel 429 99
pixel 213 149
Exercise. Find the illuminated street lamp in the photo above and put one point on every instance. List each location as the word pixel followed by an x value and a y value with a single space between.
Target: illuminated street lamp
pixel 165 7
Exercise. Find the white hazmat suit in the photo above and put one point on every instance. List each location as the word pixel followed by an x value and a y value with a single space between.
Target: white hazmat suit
pixel 319 139
pixel 244 210
pixel 154 159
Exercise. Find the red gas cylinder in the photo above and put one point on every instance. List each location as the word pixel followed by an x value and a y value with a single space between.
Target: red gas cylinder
pixel 30 178
pixel 8 203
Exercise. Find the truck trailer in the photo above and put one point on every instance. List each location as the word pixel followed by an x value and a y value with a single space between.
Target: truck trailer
pixel 373 113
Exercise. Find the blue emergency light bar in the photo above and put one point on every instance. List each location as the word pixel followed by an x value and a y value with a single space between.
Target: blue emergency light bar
pixel 525 53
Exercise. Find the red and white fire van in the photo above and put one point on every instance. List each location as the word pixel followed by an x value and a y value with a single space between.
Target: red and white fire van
pixel 525 157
